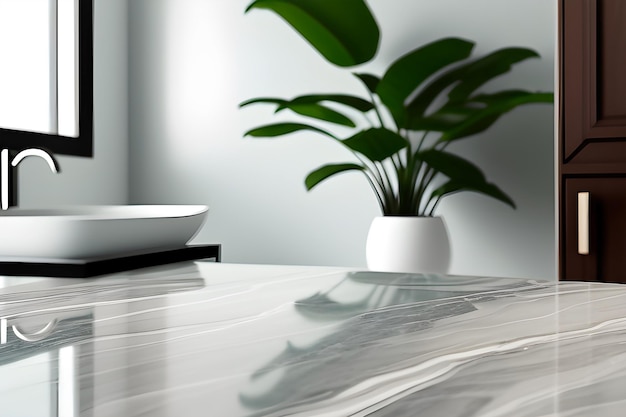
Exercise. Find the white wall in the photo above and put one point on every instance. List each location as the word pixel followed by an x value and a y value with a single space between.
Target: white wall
pixel 102 179
pixel 193 61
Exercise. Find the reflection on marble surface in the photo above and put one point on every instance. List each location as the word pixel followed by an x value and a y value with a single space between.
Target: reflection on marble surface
pixel 207 339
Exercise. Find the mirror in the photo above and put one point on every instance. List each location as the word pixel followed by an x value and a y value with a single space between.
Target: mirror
pixel 46 76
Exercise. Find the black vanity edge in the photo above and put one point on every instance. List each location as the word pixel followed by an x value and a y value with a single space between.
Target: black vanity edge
pixel 109 265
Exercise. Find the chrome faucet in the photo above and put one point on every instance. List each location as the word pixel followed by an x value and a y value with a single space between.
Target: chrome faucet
pixel 8 177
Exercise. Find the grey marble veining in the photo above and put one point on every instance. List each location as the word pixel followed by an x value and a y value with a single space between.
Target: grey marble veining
pixel 207 339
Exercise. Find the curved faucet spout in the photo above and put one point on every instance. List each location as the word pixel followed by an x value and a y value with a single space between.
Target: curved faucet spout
pixel 8 177
pixel 52 163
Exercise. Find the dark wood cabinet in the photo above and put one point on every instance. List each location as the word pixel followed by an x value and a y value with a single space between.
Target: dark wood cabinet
pixel 602 230
pixel 592 138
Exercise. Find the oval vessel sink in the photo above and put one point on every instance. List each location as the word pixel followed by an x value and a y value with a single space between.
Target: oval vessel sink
pixel 81 232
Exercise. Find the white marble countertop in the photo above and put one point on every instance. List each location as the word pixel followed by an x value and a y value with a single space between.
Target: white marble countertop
pixel 207 339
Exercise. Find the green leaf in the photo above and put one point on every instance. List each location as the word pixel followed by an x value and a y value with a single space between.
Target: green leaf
pixel 343 31
pixel 371 81
pixel 318 111
pixel 508 98
pixel 459 120
pixel 464 176
pixel 487 68
pixel 446 188
pixel 468 77
pixel 456 120
pixel 487 189
pixel 417 107
pixel 452 166
pixel 406 74
pixel 270 100
pixel 376 144
pixel 493 191
pixel 473 126
pixel 347 100
pixel 310 106
pixel 327 171
pixel 279 129
pixel 493 106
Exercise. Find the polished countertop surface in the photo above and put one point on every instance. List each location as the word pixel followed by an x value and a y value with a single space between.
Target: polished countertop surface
pixel 209 339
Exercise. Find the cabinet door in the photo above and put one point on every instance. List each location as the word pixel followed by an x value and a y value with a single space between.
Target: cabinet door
pixel 606 219
pixel 592 138
pixel 593 36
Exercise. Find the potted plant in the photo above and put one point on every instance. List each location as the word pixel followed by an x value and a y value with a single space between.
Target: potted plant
pixel 425 101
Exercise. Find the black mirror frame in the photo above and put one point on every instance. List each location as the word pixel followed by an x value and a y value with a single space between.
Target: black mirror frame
pixel 83 144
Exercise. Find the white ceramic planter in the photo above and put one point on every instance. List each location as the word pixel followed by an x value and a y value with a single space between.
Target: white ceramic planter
pixel 408 244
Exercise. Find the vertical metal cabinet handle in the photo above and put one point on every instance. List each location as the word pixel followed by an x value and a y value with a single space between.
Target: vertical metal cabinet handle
pixel 583 223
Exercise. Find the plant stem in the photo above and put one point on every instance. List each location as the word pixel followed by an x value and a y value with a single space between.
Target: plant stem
pixel 409 147
pixel 376 110
pixel 390 197
pixel 419 193
pixel 376 189
pixel 379 180
pixel 415 168
pixel 432 210
pixel 421 142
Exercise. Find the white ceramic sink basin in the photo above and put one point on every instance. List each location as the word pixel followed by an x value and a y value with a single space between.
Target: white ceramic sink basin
pixel 82 232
